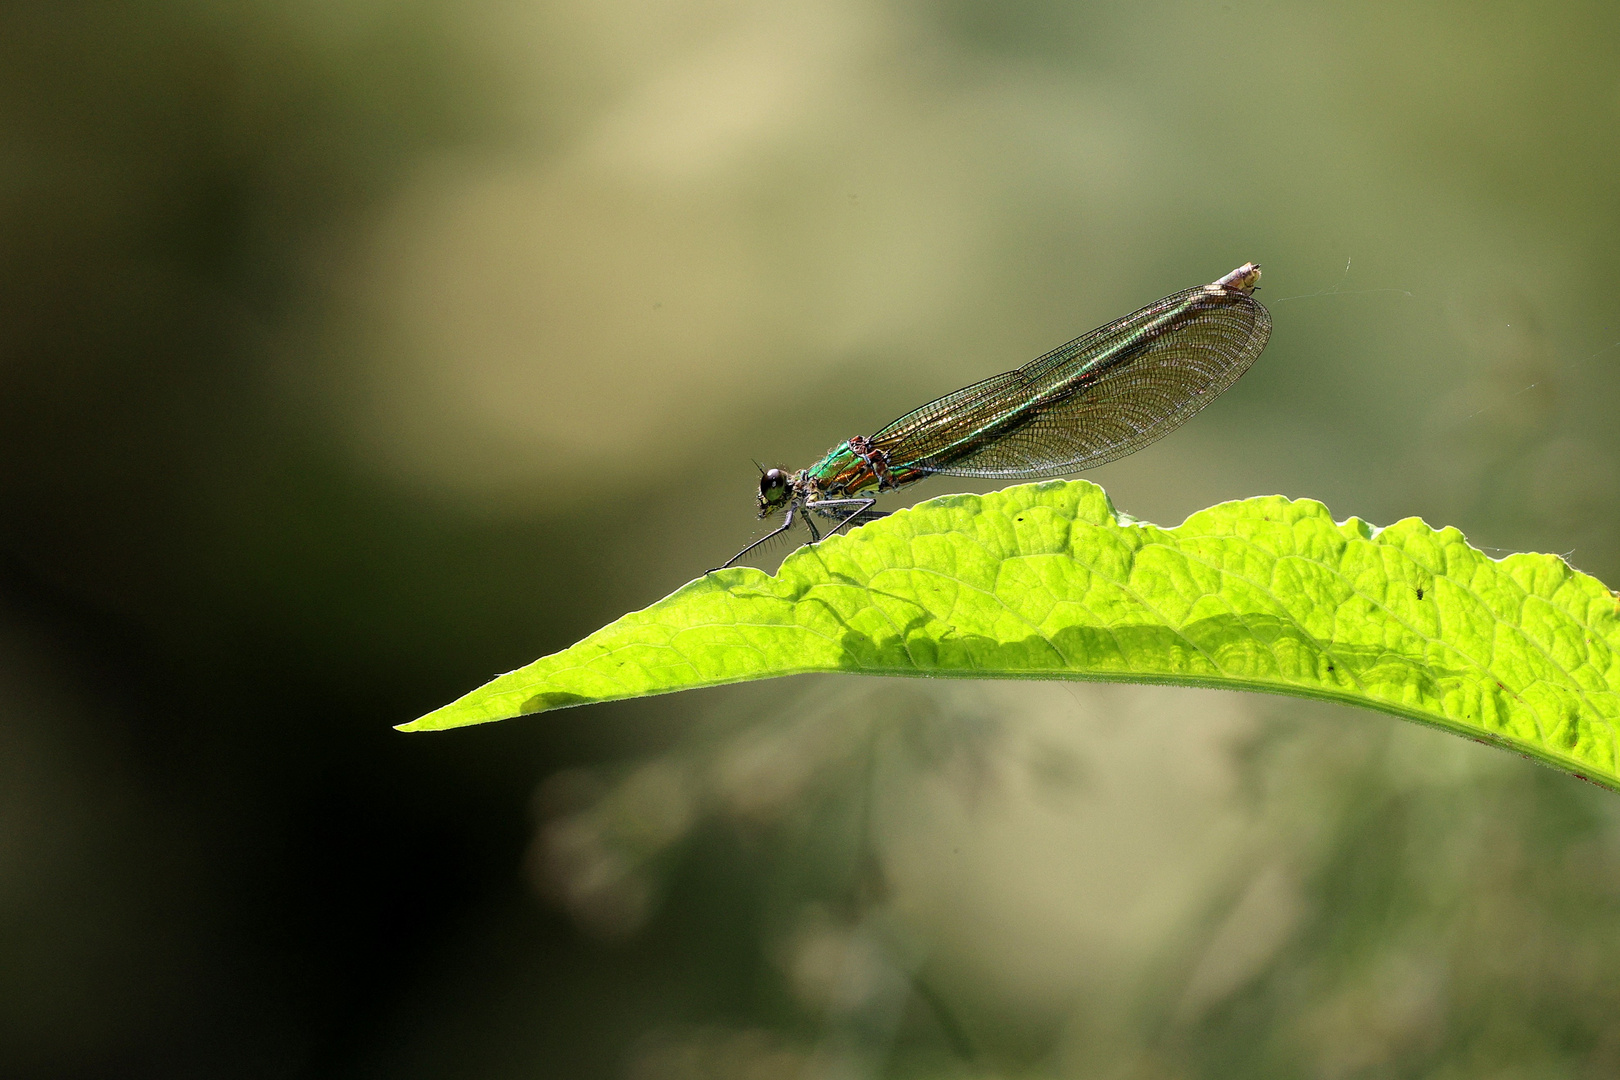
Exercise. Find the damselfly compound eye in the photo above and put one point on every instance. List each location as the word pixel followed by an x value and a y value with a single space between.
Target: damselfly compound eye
pixel 773 485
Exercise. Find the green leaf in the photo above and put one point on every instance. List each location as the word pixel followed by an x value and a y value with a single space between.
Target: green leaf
pixel 1047 581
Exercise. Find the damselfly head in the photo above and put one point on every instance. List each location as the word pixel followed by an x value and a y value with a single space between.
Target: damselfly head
pixel 773 490
pixel 1245 279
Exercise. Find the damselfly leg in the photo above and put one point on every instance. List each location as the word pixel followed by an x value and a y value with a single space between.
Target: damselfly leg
pixel 787 523
pixel 862 513
pixel 828 508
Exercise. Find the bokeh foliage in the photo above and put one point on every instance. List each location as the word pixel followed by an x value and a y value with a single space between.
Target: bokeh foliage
pixel 355 351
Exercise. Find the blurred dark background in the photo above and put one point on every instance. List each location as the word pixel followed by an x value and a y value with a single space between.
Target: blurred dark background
pixel 353 352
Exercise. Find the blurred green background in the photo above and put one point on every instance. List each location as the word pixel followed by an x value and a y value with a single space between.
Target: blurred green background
pixel 352 352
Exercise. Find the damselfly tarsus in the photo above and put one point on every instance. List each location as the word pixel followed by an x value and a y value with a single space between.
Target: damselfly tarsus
pixel 1103 395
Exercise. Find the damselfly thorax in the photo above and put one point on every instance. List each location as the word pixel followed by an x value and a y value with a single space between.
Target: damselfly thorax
pixel 1096 399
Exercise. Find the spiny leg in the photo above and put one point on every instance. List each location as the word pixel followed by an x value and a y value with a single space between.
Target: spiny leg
pixel 862 506
pixel 787 524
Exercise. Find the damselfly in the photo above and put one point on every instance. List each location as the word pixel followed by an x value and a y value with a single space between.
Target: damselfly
pixel 1103 395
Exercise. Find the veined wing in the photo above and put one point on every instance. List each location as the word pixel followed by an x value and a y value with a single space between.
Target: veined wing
pixel 1101 396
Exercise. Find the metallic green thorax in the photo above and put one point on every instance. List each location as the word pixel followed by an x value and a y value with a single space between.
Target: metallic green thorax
pixel 844 472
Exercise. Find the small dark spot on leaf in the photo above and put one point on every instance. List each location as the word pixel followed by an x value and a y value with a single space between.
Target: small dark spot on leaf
pixel 1330 667
pixel 1420 593
pixel 554 699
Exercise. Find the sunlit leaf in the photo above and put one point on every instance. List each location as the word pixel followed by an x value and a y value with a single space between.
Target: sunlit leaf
pixel 1047 581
